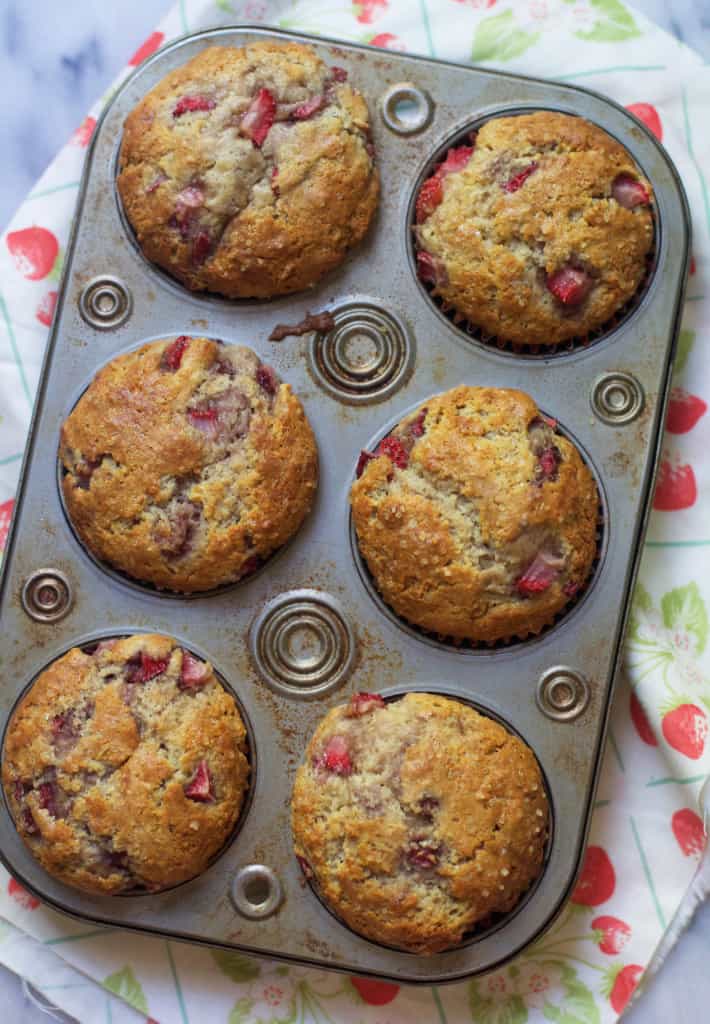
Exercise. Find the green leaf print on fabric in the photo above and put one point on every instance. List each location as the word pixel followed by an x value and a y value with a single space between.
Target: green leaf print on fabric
pixel 578 1006
pixel 684 608
pixel 686 340
pixel 125 984
pixel 641 603
pixel 506 1010
pixel 614 24
pixel 238 968
pixel 499 38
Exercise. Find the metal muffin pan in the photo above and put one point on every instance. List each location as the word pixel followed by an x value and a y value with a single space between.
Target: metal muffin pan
pixel 305 632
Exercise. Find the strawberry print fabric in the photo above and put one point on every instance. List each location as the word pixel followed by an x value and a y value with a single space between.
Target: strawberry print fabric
pixel 647 833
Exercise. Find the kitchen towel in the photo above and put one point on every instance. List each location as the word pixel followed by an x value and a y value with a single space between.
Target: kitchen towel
pixel 647 833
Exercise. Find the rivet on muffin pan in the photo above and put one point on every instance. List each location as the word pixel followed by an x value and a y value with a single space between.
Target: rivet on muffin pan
pixel 366 356
pixel 562 693
pixel 256 891
pixel 302 644
pixel 105 303
pixel 617 398
pixel 406 109
pixel 47 595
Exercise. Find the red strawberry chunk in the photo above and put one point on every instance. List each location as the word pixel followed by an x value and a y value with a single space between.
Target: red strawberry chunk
pixel 149 668
pixel 259 116
pixel 252 563
pixel 335 757
pixel 393 448
pixel 570 588
pixel 548 419
pixel 309 108
pixel 548 461
pixel 456 160
pixel 200 785
pixel 518 180
pixel 423 853
pixel 362 703
pixel 629 192
pixel 201 247
pixel 193 674
pixel 172 356
pixel 266 379
pixel 48 798
pixel 188 104
pixel 430 195
pixel 204 420
pixel 362 461
pixel 569 285
pixel 538 576
pixel 191 196
pixel 416 429
pixel 339 74
pixel 429 269
pixel 29 823
pixel 305 866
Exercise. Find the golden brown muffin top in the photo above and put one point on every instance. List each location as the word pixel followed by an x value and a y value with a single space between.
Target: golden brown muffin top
pixel 126 768
pixel 418 819
pixel 538 231
pixel 187 462
pixel 476 518
pixel 249 171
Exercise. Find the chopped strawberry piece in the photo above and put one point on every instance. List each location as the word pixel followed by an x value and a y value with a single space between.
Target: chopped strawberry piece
pixel 148 668
pixel 19 790
pixel 194 673
pixel 427 806
pixel 393 448
pixel 362 703
pixel 187 202
pixel 335 757
pixel 309 108
pixel 204 420
pixel 430 195
pixel 428 268
pixel 416 429
pixel 456 160
pixel 518 180
pixel 362 461
pixel 548 419
pixel 266 379
pixel 569 285
pixel 548 461
pixel 305 866
pixel 157 180
pixel 339 74
pixel 201 247
pixel 29 823
pixel 172 356
pixel 539 575
pixel 191 196
pixel 629 192
pixel 189 104
pixel 48 798
pixel 200 785
pixel 252 563
pixel 258 118
pixel 570 588
pixel 423 853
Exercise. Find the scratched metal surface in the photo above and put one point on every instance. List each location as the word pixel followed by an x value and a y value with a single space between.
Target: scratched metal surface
pixel 388 657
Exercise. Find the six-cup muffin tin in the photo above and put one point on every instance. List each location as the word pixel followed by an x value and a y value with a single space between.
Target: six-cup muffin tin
pixel 309 628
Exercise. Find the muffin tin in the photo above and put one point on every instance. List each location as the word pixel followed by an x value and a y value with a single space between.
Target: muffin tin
pixel 305 632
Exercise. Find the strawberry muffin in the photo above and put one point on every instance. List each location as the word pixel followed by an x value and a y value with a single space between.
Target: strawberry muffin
pixel 537 231
pixel 125 766
pixel 476 517
pixel 249 172
pixel 414 850
pixel 186 463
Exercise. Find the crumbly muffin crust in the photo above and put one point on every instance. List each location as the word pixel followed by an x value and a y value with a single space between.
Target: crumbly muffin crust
pixel 536 232
pixel 126 768
pixel 418 819
pixel 477 519
pixel 187 463
pixel 249 171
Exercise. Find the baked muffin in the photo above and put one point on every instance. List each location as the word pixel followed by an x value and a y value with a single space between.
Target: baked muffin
pixel 476 518
pixel 249 172
pixel 186 463
pixel 419 819
pixel 536 232
pixel 125 769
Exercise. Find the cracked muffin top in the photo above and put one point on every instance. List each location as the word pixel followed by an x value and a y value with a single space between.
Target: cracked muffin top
pixel 186 463
pixel 418 819
pixel 126 768
pixel 249 172
pixel 536 232
pixel 476 518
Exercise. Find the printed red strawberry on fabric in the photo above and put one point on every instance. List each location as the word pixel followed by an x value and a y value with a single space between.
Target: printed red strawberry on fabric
pixel 35 251
pixel 689 832
pixel 597 879
pixel 685 728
